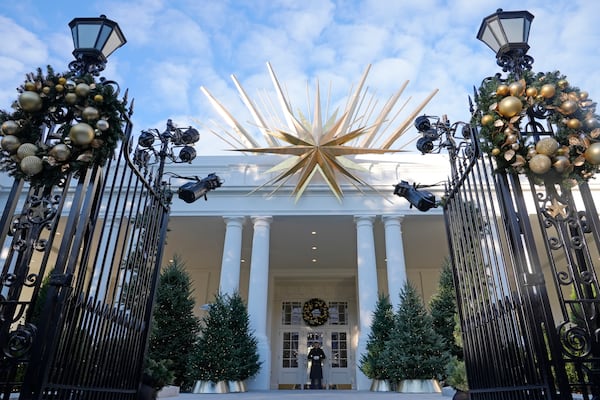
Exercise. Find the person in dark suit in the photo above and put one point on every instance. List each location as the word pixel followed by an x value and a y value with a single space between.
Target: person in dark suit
pixel 316 355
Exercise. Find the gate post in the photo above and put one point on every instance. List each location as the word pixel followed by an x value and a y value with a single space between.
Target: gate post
pixel 527 295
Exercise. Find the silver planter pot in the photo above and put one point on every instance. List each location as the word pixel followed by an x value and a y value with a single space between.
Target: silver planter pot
pixel 237 386
pixel 211 387
pixel 381 385
pixel 419 386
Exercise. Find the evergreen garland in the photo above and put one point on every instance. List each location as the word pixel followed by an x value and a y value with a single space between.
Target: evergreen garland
pixel 60 101
pixel 372 363
pixel 575 156
pixel 175 327
pixel 414 350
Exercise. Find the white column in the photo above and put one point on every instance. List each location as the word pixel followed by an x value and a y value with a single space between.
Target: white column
pixel 367 289
pixel 394 252
pixel 232 253
pixel 258 295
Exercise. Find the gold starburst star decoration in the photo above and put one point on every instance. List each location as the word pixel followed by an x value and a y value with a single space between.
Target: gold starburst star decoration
pixel 557 209
pixel 317 146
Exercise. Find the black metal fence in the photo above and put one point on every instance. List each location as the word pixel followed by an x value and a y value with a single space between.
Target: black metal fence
pixel 81 264
pixel 526 277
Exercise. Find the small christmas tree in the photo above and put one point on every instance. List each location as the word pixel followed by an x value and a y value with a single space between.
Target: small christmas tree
pixel 443 309
pixel 211 361
pixel 415 350
pixel 372 363
pixel 175 327
pixel 245 358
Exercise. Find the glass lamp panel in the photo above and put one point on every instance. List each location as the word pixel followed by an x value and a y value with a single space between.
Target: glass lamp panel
pixel 84 35
pixel 114 42
pixel 514 29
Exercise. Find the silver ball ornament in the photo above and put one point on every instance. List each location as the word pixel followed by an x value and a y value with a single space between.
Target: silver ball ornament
pixel 31 165
pixel 102 124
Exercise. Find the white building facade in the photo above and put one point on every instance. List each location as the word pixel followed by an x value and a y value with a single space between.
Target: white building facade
pixel 280 252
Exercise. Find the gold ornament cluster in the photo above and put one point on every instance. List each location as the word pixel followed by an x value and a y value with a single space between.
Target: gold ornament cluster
pixel 60 124
pixel 315 312
pixel 572 153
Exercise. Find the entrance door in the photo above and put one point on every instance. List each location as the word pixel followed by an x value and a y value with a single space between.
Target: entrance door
pixel 296 340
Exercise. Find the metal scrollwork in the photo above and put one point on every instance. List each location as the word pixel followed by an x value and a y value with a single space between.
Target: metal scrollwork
pixel 20 341
pixel 575 340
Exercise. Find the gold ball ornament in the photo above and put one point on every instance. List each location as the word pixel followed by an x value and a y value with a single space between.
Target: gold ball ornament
pixel 71 98
pixel 10 143
pixel 62 80
pixel 102 124
pixel 90 114
pixel 510 139
pixel 98 98
pixel 502 90
pixel 590 123
pixel 592 154
pixel 531 152
pixel 583 95
pixel 516 88
pixel 487 119
pixel 547 91
pixel 30 101
pixel 29 85
pixel 510 106
pixel 26 150
pixel 568 107
pixel 60 152
pixel 547 146
pixel 495 151
pixel 81 134
pixel 561 164
pixel 540 164
pixel 563 83
pixel 573 123
pixel 59 88
pixel 46 90
pixel 531 92
pixel 82 89
pixel 31 165
pixel 9 127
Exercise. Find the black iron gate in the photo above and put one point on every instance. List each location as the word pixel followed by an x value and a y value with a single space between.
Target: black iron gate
pixel 526 277
pixel 80 267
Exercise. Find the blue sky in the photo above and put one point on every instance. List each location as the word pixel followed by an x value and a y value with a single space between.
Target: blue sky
pixel 176 46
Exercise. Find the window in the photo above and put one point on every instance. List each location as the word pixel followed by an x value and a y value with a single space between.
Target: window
pixel 339 350
pixel 291 313
pixel 290 350
pixel 338 313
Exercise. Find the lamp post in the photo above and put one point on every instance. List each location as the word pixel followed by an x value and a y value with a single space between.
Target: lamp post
pixel 94 40
pixel 507 33
pixel 155 147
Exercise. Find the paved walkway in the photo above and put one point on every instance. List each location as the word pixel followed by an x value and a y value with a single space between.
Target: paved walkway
pixel 310 394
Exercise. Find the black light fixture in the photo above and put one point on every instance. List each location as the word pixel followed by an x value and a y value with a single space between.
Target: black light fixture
pixel 421 199
pixel 426 143
pixel 507 34
pixel 192 191
pixel 94 39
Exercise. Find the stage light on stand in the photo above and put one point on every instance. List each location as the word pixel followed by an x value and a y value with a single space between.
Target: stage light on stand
pixel 192 191
pixel 420 199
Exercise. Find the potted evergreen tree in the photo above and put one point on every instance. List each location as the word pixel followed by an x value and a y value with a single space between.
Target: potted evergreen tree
pixel 211 363
pixel 372 363
pixel 175 327
pixel 415 353
pixel 244 356
pixel 444 311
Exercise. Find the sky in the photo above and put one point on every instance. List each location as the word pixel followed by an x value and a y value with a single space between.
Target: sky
pixel 175 47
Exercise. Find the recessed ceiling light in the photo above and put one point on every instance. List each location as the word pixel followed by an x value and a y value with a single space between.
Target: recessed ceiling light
pixel 313 233
pixel 314 247
pixel 314 260
pixel 242 260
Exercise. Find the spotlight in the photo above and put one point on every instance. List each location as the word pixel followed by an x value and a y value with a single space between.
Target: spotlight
pixel 146 139
pixel 192 191
pixel 190 136
pixel 425 145
pixel 422 123
pixel 422 200
pixel 187 154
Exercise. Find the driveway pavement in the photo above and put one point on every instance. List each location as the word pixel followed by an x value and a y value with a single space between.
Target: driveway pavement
pixel 310 394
